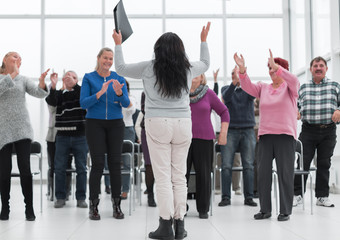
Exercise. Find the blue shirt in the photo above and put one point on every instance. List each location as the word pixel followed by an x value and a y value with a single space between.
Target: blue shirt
pixel 240 105
pixel 109 105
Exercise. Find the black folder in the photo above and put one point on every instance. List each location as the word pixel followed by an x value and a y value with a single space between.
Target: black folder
pixel 121 21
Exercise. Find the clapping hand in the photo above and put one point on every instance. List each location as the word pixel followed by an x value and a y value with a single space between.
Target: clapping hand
pixel 117 87
pixel 54 80
pixel 42 84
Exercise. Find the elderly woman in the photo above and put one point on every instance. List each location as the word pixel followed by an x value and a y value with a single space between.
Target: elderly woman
pixel 277 132
pixel 202 101
pixel 16 130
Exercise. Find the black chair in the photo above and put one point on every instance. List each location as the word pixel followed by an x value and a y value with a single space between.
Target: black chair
pixel 299 170
pixel 35 152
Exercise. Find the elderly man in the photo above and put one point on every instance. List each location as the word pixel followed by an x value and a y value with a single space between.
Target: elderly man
pixel 70 125
pixel 318 103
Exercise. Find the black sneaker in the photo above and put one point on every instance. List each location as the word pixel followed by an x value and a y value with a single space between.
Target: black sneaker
pixel 261 215
pixel 203 215
pixel 250 202
pixel 224 202
pixel 283 217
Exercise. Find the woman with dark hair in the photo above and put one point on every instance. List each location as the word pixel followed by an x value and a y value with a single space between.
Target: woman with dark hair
pixel 277 132
pixel 167 80
pixel 103 94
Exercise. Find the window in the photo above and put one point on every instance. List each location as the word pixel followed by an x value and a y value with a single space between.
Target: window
pixel 298 39
pixel 321 27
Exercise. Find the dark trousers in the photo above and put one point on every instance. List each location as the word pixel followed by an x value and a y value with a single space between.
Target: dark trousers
pixel 105 136
pixel 23 150
pixel 50 158
pixel 282 148
pixel 201 156
pixel 323 140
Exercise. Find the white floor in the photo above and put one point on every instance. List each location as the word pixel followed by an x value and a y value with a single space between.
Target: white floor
pixel 231 222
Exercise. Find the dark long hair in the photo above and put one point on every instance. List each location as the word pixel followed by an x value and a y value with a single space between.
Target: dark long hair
pixel 170 66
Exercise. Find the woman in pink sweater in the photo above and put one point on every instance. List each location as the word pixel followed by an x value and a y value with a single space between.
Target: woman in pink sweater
pixel 277 132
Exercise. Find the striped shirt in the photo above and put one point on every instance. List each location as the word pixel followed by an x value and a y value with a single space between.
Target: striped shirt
pixel 317 102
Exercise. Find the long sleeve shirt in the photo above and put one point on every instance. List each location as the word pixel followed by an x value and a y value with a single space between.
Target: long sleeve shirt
pixel 317 102
pixel 109 105
pixel 14 117
pixel 240 105
pixel 155 104
pixel 278 107
pixel 70 117
pixel 200 115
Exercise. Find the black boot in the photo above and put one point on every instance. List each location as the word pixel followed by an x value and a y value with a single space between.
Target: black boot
pixel 94 214
pixel 5 186
pixel 151 200
pixel 27 190
pixel 117 212
pixel 180 232
pixel 164 230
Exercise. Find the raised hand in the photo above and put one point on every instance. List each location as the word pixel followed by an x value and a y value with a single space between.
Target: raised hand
pixel 205 31
pixel 272 65
pixel 54 80
pixel 215 74
pixel 42 84
pixel 240 62
pixel 117 37
pixel 117 87
pixel 234 75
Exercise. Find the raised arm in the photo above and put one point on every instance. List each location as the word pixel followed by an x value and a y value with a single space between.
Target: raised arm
pixel 204 63
pixel 246 84
pixel 134 70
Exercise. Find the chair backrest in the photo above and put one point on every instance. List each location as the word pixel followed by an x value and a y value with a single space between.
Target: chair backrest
pixel 128 147
pixel 299 154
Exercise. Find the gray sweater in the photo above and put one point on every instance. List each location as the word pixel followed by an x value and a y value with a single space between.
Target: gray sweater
pixel 155 104
pixel 14 118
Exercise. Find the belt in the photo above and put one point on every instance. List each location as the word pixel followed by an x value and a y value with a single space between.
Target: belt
pixel 322 126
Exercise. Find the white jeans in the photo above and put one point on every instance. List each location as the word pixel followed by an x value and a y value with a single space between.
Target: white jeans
pixel 169 140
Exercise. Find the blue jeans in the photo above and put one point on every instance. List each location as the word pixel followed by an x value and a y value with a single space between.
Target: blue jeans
pixel 241 140
pixel 64 146
pixel 129 134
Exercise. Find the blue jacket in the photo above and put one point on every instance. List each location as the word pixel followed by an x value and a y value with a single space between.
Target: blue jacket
pixel 109 105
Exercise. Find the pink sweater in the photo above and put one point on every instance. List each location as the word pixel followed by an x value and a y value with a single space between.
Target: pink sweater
pixel 278 107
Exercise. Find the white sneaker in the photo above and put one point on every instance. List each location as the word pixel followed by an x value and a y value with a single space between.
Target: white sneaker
pixel 324 201
pixel 297 200
pixel 238 192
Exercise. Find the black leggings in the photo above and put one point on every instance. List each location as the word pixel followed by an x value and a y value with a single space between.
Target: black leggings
pixel 105 136
pixel 23 150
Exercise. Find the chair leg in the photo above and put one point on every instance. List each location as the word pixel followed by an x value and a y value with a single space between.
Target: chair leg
pixel 311 193
pixel 303 191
